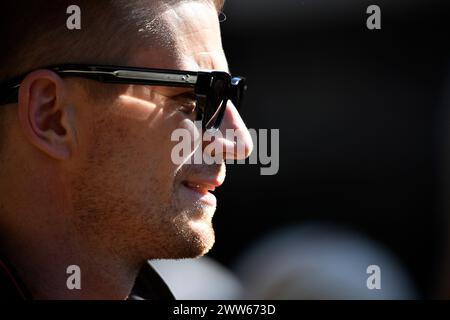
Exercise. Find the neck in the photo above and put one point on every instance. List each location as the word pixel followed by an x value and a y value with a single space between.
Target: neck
pixel 44 243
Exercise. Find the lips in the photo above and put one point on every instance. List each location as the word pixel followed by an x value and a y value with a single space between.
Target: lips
pixel 200 189
pixel 203 186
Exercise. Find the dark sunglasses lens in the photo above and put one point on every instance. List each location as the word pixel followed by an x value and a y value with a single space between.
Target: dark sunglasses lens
pixel 216 104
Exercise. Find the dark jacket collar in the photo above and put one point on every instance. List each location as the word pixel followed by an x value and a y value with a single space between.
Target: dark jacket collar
pixel 148 286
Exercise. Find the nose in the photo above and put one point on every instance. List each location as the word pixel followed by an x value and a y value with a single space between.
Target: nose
pixel 233 139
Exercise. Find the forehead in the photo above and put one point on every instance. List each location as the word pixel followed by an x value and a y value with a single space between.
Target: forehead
pixel 185 35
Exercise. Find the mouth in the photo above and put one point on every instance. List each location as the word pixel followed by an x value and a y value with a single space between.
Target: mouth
pixel 202 191
pixel 199 187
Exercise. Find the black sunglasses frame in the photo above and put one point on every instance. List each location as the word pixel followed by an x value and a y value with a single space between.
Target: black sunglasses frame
pixel 212 89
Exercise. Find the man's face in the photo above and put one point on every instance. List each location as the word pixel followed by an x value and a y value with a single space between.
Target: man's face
pixel 128 194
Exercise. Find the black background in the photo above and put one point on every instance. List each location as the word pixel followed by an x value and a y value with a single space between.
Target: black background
pixel 360 119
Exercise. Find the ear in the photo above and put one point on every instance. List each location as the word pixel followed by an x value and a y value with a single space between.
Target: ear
pixel 44 114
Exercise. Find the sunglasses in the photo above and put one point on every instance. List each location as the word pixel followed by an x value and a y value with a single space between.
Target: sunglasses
pixel 212 89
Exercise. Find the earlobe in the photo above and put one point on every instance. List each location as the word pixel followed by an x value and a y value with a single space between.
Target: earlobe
pixel 41 113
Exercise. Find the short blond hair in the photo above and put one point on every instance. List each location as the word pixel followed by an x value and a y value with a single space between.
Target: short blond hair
pixel 219 4
pixel 36 40
pixel 37 36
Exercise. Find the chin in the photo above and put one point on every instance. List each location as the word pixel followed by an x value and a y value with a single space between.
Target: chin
pixel 203 239
pixel 197 233
pixel 188 234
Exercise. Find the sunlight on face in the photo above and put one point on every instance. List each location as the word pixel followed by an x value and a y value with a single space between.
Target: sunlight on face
pixel 140 191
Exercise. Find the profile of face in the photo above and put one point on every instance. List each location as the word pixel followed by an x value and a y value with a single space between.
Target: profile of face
pixel 127 193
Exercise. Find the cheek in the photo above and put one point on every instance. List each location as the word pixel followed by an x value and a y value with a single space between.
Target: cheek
pixel 142 146
pixel 185 141
pixel 133 144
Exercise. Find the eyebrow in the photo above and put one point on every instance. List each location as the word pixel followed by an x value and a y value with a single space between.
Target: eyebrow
pixel 188 97
pixel 188 94
pixel 176 90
